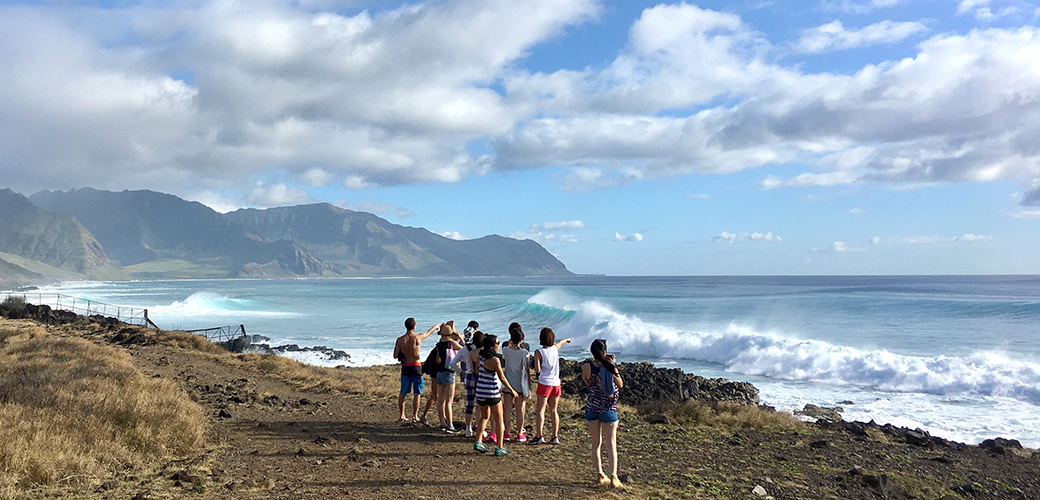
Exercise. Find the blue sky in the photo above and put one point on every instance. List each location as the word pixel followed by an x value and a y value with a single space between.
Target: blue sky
pixel 799 137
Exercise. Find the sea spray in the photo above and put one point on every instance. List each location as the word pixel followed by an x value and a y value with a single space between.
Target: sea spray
pixel 745 351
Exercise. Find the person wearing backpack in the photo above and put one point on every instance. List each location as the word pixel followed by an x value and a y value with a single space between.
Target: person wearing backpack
pixel 445 376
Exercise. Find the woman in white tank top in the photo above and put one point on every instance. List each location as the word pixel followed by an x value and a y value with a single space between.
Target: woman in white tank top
pixel 547 364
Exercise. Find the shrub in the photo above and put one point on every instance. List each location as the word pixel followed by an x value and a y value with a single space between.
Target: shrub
pixel 12 307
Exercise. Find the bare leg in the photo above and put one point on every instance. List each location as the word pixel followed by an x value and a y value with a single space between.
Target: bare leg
pixel 554 401
pixel 482 423
pixel 447 393
pixel 400 404
pixel 429 402
pixel 416 401
pixel 597 440
pixel 496 421
pixel 521 406
pixel 539 416
pixel 610 443
pixel 507 407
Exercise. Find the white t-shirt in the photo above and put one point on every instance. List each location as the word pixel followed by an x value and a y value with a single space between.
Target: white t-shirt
pixel 550 368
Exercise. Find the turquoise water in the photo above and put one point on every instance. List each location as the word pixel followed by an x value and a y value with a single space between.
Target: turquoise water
pixel 957 356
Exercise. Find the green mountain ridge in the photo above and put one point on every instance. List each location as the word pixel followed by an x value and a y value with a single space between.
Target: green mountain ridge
pixel 360 243
pixel 50 238
pixel 151 235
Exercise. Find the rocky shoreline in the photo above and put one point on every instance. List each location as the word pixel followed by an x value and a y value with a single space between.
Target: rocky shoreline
pixel 280 440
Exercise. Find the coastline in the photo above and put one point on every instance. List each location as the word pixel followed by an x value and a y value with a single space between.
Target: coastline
pixel 279 429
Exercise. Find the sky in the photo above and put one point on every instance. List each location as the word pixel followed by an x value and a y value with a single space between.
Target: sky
pixel 627 137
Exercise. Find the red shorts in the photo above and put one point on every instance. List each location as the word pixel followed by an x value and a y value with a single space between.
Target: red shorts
pixel 549 390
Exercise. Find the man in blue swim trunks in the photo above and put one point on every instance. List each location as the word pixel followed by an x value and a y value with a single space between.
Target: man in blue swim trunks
pixel 407 351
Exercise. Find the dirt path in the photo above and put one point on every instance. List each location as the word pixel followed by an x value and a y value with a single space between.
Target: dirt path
pixel 279 442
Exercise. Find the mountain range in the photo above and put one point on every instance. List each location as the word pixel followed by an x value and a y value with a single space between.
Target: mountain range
pixel 93 234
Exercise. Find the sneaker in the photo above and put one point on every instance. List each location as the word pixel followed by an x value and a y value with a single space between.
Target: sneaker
pixel 508 437
pixel 425 423
pixel 615 482
pixel 491 438
pixel 501 452
pixel 604 481
pixel 537 440
pixel 480 447
pixel 451 430
pixel 469 431
pixel 555 440
pixel 521 438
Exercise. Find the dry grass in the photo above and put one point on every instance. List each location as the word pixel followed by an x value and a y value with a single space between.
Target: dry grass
pixel 728 415
pixel 74 413
pixel 379 381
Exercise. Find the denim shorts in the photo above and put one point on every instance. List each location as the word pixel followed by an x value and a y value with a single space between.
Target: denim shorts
pixel 445 378
pixel 605 417
pixel 410 383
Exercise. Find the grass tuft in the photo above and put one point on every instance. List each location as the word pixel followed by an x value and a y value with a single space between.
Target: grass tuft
pixel 727 415
pixel 75 412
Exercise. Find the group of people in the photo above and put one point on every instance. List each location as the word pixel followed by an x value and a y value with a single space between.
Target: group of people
pixel 497 382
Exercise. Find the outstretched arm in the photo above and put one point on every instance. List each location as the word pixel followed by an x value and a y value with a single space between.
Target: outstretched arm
pixel 564 341
pixel 429 332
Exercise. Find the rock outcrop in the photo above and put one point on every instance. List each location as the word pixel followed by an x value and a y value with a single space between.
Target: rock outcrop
pixel 646 383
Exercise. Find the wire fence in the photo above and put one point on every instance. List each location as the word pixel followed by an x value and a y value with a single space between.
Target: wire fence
pixel 86 307
pixel 221 333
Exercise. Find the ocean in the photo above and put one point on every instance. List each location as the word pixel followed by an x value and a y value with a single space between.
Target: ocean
pixel 958 356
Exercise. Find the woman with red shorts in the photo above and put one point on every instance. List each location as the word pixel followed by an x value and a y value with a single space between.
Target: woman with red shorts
pixel 547 365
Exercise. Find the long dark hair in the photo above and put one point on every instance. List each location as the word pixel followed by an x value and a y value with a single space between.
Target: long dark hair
pixel 599 351
pixel 478 339
pixel 488 351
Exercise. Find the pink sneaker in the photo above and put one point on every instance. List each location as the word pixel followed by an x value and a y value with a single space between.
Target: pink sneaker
pixel 521 438
pixel 491 438
pixel 508 437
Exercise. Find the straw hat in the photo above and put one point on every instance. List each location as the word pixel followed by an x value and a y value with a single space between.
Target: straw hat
pixel 448 329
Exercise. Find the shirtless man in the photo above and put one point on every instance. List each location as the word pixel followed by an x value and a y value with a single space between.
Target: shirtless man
pixel 406 350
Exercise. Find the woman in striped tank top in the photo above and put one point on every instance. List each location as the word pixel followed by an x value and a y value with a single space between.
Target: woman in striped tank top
pixel 489 396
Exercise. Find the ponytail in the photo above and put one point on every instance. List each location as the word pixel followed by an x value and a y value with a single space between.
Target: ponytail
pixel 599 352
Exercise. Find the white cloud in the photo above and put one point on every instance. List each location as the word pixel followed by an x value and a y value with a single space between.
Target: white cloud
pixel 1026 214
pixel 377 207
pixel 856 211
pixel 834 36
pixel 545 238
pixel 700 196
pixel 969 238
pixel 935 240
pixel 865 7
pixel 390 97
pixel 966 6
pixel 838 247
pixel 276 195
pixel 727 237
pixel 876 240
pixel 453 235
pixel 567 225
pixel 630 237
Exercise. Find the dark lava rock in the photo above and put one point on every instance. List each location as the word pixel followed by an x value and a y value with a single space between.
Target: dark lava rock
pixel 821 412
pixel 646 383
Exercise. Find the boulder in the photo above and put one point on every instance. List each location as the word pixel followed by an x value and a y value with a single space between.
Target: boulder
pixel 832 414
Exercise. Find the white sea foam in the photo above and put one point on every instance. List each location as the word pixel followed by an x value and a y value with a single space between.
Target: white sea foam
pixel 358 357
pixel 743 350
pixel 207 304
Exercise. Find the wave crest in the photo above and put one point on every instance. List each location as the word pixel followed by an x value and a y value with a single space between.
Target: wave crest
pixel 743 350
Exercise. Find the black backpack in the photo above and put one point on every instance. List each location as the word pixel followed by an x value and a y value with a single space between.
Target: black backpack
pixel 432 364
